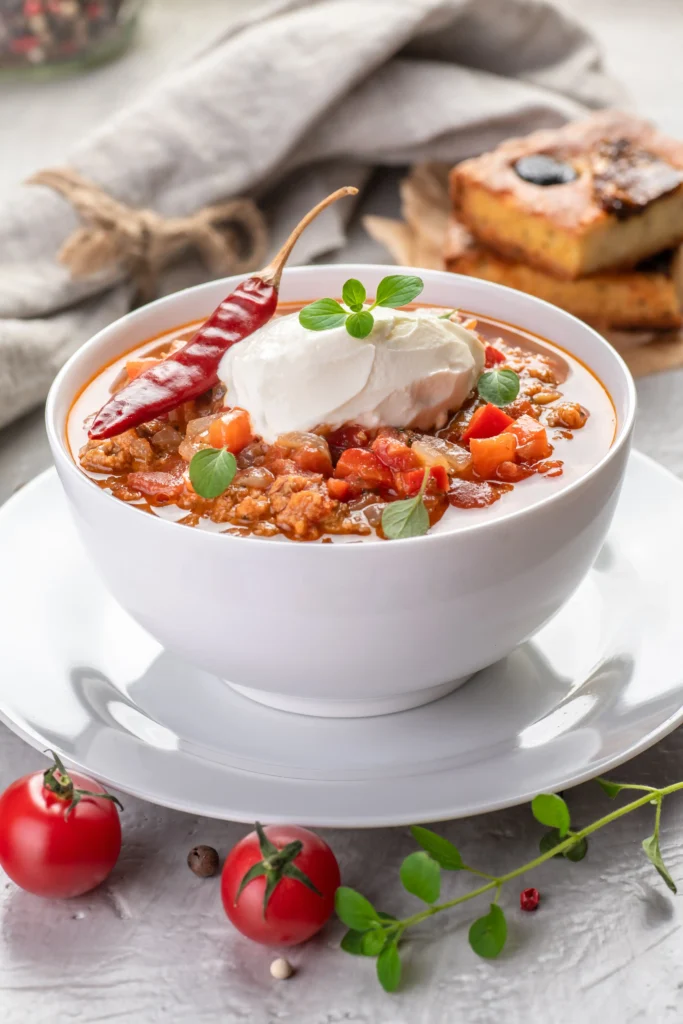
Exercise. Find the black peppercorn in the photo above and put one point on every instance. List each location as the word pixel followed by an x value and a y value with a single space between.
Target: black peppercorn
pixel 544 170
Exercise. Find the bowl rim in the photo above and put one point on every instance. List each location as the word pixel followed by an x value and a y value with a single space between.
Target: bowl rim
pixel 57 438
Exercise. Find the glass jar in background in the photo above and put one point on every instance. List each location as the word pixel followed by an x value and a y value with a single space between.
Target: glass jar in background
pixel 62 35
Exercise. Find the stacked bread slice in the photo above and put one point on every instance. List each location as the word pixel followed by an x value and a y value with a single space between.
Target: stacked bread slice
pixel 588 216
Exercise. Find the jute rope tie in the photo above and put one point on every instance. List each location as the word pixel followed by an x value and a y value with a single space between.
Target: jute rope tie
pixel 230 237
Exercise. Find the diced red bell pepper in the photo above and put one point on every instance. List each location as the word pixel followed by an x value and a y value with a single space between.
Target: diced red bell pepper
pixel 493 356
pixel 532 440
pixel 408 482
pixel 339 489
pixel 365 467
pixel 394 453
pixel 489 452
pixel 488 421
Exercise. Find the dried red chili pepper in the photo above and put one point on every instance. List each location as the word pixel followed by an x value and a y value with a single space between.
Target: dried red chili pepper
pixel 193 369
pixel 529 899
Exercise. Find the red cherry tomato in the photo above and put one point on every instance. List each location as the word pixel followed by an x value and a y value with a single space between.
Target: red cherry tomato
pixel 278 885
pixel 58 837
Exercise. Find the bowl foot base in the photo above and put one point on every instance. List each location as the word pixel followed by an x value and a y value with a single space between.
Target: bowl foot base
pixel 349 708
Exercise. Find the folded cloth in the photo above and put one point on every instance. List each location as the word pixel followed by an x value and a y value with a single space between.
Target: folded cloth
pixel 296 99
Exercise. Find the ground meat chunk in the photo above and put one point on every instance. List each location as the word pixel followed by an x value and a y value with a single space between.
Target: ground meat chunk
pixel 117 454
pixel 300 503
pixel 252 508
pixel 570 415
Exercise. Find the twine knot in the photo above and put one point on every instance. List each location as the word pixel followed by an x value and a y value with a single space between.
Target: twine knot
pixel 230 237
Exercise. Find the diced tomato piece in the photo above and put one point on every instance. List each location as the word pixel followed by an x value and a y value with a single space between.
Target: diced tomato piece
pixel 408 482
pixel 350 436
pixel 161 486
pixel 489 452
pixel 488 421
pixel 532 439
pixel 440 478
pixel 493 356
pixel 395 453
pixel 339 489
pixel 231 431
pixel 134 367
pixel 365 467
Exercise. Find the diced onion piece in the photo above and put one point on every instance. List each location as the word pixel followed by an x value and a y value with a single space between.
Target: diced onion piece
pixel 436 451
pixel 198 426
pixel 302 439
pixel 254 476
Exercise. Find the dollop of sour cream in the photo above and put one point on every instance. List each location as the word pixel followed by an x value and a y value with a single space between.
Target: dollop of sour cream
pixel 412 370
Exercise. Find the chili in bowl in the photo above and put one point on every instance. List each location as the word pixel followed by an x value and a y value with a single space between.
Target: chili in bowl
pixel 335 554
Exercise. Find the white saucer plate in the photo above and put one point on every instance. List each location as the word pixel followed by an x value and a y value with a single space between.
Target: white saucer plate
pixel 600 683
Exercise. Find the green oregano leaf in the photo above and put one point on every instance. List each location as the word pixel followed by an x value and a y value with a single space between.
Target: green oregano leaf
pixel 447 315
pixel 550 809
pixel 359 325
pixel 577 851
pixel 549 840
pixel 212 470
pixel 442 850
pixel 354 910
pixel 398 290
pixel 654 855
pixel 353 293
pixel 373 941
pixel 352 942
pixel 612 789
pixel 389 967
pixel 488 934
pixel 407 518
pixel 322 315
pixel 499 387
pixel 421 876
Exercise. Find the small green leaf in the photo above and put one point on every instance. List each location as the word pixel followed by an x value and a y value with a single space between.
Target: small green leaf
pixel 359 325
pixel 353 942
pixel 353 293
pixel 212 470
pixel 550 809
pixel 373 942
pixel 653 853
pixel 421 876
pixel 408 518
pixel 354 910
pixel 549 840
pixel 398 290
pixel 488 934
pixel 577 851
pixel 389 967
pixel 611 788
pixel 442 850
pixel 322 315
pixel 448 315
pixel 499 387
pixel 356 307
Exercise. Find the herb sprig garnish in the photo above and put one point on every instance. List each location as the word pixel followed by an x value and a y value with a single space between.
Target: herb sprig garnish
pixel 408 518
pixel 376 934
pixel 393 291
pixel 212 470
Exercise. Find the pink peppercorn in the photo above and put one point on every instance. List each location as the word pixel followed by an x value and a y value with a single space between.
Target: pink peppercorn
pixel 529 899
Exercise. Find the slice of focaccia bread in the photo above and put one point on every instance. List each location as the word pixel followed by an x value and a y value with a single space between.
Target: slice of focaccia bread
pixel 597 194
pixel 649 296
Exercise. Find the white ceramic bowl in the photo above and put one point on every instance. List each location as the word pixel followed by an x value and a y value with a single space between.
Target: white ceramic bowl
pixel 348 629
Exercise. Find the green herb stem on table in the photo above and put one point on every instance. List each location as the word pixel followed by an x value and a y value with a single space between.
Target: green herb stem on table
pixel 376 934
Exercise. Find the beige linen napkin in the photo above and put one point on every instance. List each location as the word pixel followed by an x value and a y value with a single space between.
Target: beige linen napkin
pixel 421 238
pixel 297 99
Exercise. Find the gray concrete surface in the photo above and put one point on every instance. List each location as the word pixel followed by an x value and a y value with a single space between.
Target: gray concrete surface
pixel 153 944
